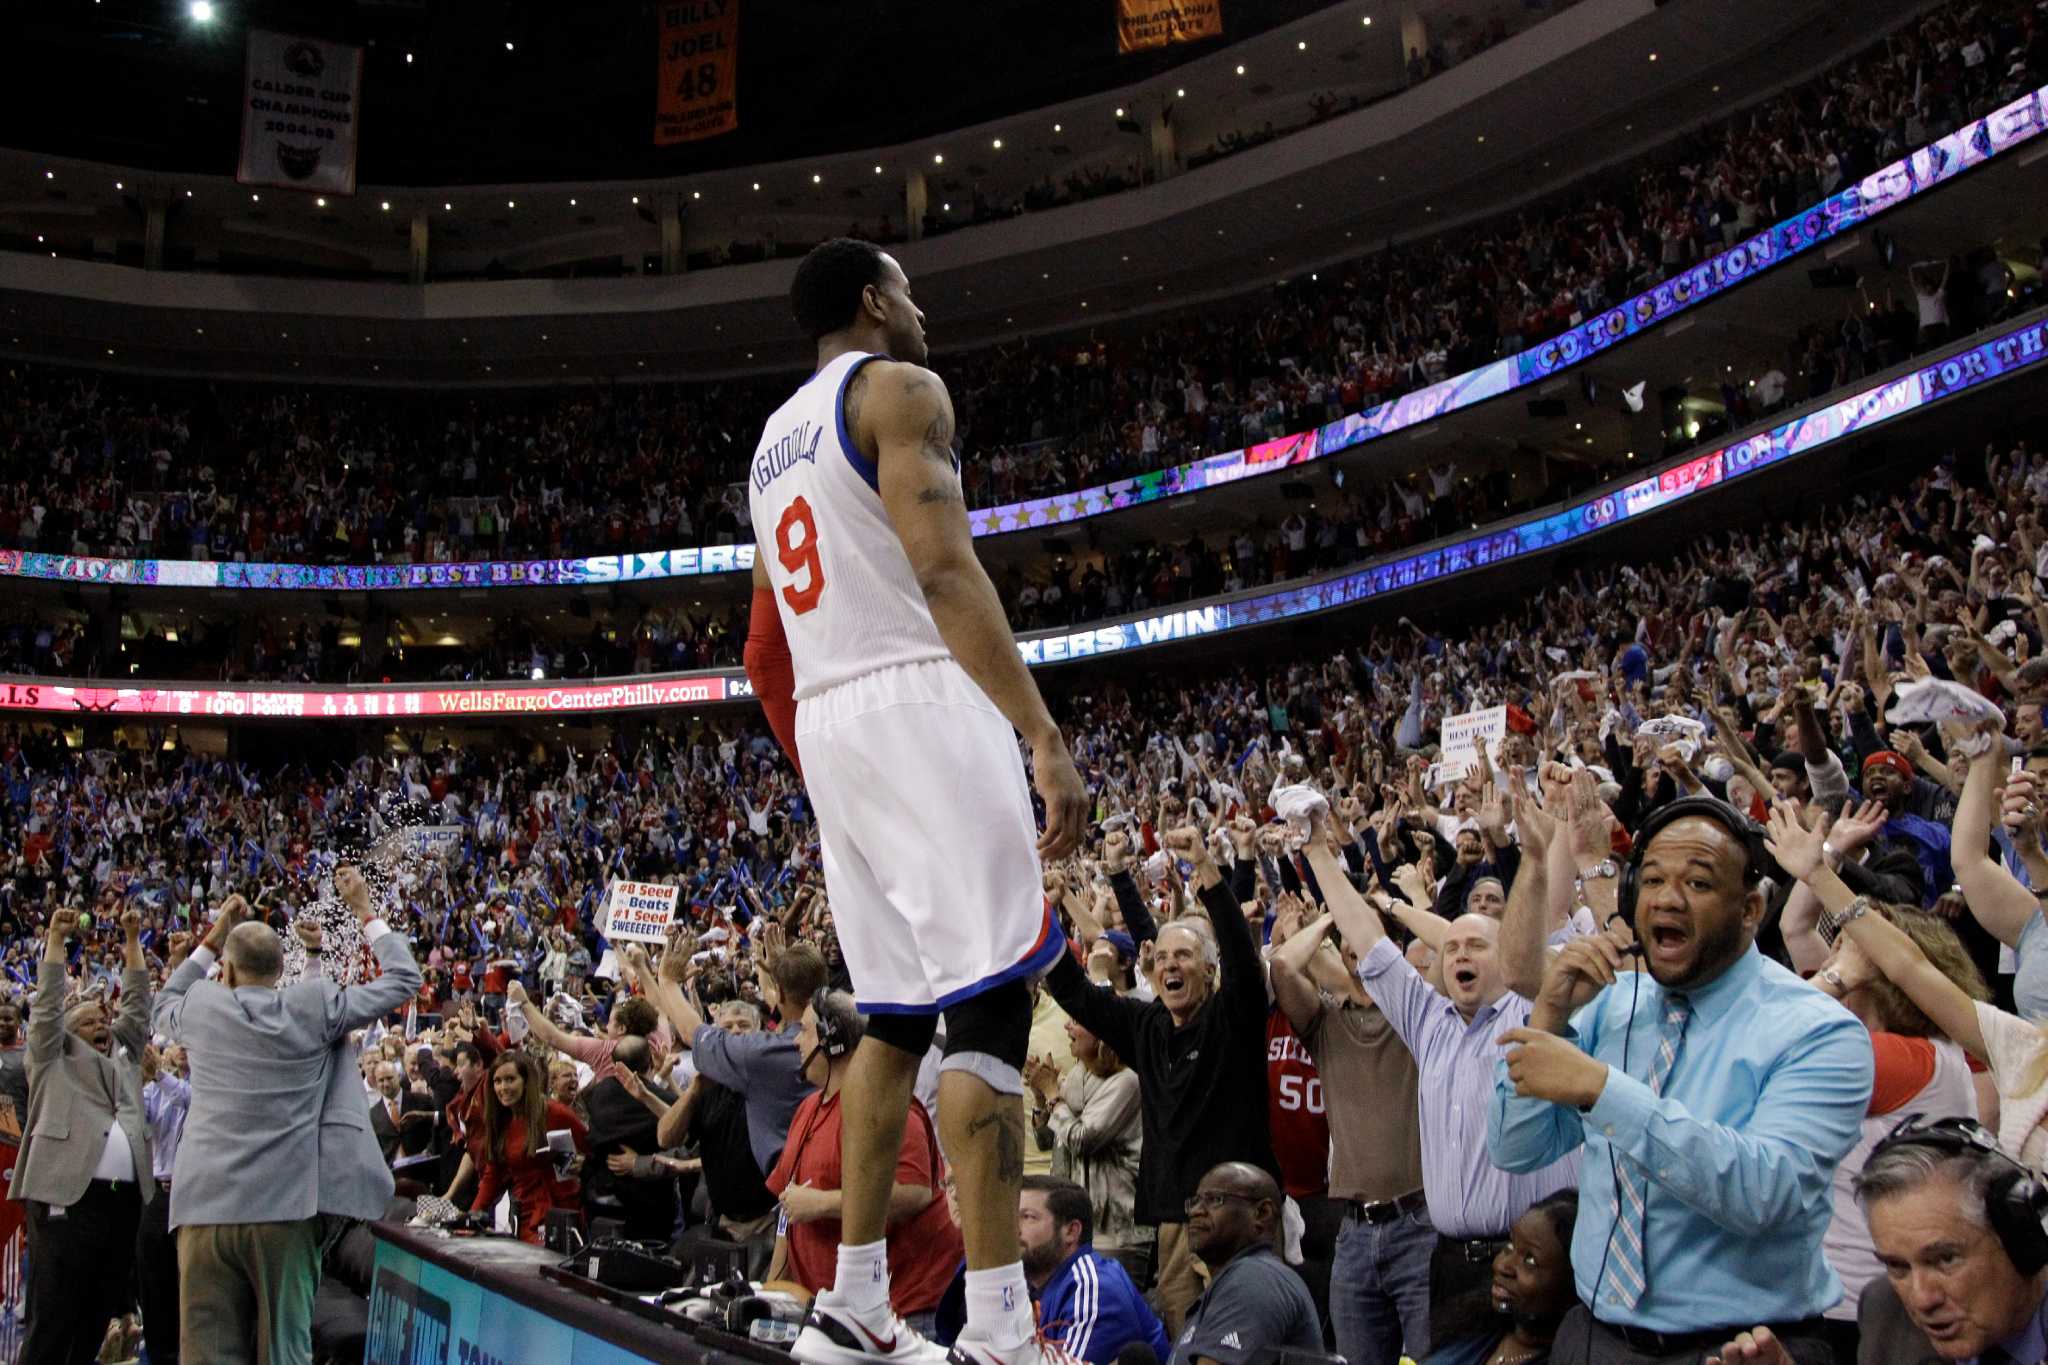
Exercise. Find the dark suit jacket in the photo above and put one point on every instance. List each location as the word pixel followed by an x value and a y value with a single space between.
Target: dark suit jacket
pixel 1889 1336
pixel 414 1137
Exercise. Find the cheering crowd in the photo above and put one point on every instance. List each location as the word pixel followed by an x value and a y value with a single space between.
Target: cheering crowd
pixel 1343 990
pixel 108 465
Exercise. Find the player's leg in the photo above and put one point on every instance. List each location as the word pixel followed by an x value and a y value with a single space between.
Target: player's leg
pixel 981 1126
pixel 874 1105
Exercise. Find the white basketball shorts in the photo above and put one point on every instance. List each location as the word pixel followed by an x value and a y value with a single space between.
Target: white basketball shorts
pixel 930 846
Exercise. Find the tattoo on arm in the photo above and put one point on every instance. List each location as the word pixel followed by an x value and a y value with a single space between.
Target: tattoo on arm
pixel 856 391
pixel 941 492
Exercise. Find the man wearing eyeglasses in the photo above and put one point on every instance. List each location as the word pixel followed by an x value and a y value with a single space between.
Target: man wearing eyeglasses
pixel 1254 1300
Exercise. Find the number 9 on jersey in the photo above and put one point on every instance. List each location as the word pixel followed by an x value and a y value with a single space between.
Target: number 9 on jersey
pixel 800 557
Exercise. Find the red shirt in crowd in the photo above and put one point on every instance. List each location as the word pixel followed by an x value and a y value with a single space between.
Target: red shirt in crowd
pixel 1295 1111
pixel 924 1250
pixel 530 1176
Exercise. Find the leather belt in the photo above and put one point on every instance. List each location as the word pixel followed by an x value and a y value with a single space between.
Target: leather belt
pixel 1385 1210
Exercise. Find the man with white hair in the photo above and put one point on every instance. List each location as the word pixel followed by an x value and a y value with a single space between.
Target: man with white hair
pixel 86 1158
pixel 1200 1053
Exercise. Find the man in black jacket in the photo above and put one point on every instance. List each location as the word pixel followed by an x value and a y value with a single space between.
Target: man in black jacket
pixel 637 1192
pixel 1200 1053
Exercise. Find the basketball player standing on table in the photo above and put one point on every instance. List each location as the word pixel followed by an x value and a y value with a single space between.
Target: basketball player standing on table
pixel 873 615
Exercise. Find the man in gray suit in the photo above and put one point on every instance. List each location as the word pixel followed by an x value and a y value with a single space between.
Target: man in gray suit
pixel 84 1167
pixel 278 1133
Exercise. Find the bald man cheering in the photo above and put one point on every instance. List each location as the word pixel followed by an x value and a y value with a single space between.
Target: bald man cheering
pixel 265 1154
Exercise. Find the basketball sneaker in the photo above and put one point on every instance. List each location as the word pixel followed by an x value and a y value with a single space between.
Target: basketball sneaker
pixel 1038 1349
pixel 834 1334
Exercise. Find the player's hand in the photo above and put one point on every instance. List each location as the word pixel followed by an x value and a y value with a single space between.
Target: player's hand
pixel 1066 798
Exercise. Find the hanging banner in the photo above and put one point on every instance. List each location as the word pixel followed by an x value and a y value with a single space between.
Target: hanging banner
pixel 696 86
pixel 300 101
pixel 1155 23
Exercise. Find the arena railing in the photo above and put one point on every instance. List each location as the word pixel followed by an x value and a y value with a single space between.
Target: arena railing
pixel 1910 388
pixel 1918 173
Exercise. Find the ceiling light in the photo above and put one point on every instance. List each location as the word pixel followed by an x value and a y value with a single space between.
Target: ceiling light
pixel 696 194
pixel 1301 46
pixel 636 198
pixel 757 185
pixel 408 59
pixel 386 205
pixel 1366 21
pixel 938 158
pixel 255 198
pixel 448 207
pixel 188 194
pixel 878 170
pixel 817 179
pixel 1084 303
pixel 1653 56
pixel 110 350
pixel 997 144
pixel 1119 111
pixel 572 203
pixel 1482 137
pixel 201 11
pixel 117 184
pixel 52 175
pixel 1240 69
pixel 945 208
pixel 1180 94
pixel 511 203
pixel 508 44
pixel 319 203
pixel 1055 127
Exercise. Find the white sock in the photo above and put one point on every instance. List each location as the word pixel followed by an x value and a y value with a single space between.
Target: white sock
pixel 999 1306
pixel 863 1279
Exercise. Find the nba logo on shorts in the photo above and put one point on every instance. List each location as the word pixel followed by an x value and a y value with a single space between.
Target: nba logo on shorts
pixel 1009 1298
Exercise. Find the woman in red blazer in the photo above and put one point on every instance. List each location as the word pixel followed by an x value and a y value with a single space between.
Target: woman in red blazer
pixel 518 1116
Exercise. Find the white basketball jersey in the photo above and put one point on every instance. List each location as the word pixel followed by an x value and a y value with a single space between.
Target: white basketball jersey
pixel 849 599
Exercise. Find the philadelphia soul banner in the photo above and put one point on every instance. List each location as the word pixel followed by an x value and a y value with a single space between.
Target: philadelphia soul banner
pixel 301 98
pixel 1850 207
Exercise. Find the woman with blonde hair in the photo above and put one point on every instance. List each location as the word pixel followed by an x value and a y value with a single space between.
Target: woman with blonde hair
pixel 2015 1050
pixel 1918 1070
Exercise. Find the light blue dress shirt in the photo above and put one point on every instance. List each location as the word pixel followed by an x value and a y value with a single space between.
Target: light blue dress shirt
pixel 1468 1195
pixel 1766 1096
pixel 165 1103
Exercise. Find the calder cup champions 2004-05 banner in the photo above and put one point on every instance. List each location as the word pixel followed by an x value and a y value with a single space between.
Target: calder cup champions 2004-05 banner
pixel 301 106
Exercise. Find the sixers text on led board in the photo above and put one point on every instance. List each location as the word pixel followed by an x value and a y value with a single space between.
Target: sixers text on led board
pixel 1935 164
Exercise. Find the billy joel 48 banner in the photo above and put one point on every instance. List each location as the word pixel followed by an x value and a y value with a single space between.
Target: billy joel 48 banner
pixel 1155 23
pixel 301 99
pixel 696 83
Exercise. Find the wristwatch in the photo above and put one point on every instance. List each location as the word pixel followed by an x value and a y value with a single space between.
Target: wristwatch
pixel 1600 871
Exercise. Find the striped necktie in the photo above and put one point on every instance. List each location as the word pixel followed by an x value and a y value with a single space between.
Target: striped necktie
pixel 1632 1185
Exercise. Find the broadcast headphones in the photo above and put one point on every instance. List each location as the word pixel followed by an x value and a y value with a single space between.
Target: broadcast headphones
pixel 1745 830
pixel 2016 1204
pixel 835 1039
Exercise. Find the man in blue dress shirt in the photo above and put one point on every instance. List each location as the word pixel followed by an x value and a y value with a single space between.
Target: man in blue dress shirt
pixel 1714 1093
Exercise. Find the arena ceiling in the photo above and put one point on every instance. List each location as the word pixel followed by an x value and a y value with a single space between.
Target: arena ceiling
pixel 496 91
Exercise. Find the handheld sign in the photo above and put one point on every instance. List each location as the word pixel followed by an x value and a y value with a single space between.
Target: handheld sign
pixel 637 911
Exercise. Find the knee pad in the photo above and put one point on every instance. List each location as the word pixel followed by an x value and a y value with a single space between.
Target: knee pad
pixel 989 1035
pixel 911 1033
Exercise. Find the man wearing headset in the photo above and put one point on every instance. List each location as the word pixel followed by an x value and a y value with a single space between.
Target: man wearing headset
pixel 1962 1230
pixel 1714 1093
pixel 924 1244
